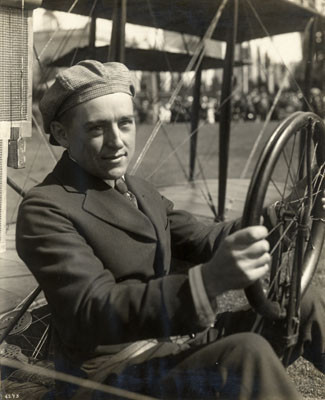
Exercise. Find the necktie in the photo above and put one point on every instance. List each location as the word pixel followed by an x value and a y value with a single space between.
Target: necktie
pixel 121 187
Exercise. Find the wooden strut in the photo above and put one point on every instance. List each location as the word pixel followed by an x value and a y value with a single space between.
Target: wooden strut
pixel 225 113
pixel 195 118
pixel 92 37
pixel 15 187
pixel 117 45
pixel 307 85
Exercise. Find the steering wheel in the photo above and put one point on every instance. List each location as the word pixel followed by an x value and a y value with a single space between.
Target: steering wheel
pixel 286 188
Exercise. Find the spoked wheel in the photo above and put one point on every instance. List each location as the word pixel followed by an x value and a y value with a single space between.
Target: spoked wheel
pixel 286 188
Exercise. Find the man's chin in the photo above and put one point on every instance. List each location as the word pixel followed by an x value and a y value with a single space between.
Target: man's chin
pixel 114 174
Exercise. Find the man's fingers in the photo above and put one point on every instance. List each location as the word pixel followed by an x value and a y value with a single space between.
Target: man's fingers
pixel 247 264
pixel 257 249
pixel 258 273
pixel 247 236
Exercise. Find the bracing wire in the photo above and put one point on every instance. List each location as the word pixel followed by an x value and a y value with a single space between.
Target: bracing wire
pixel 38 58
pixel 189 136
pixel 266 122
pixel 197 53
pixel 156 26
pixel 208 197
pixel 41 135
pixel 42 70
pixel 85 383
pixel 77 47
pixel 56 30
pixel 278 53
pixel 175 151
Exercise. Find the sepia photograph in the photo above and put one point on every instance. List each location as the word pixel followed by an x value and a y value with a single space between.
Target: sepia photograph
pixel 162 199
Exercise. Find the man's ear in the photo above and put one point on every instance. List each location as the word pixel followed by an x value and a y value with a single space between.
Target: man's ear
pixel 60 133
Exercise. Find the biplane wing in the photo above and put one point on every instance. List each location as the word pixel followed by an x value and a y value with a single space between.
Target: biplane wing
pixel 191 17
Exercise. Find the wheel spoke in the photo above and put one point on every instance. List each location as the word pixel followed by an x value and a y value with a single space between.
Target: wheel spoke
pixel 277 226
pixel 289 169
pixel 289 174
pixel 281 267
pixel 318 190
pixel 282 236
pixel 276 187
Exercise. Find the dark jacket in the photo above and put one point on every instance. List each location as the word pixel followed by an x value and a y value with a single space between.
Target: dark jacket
pixel 104 265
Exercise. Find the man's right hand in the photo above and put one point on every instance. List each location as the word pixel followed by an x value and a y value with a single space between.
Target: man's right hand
pixel 241 259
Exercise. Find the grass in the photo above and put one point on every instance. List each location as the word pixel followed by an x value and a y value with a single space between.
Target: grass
pixel 166 164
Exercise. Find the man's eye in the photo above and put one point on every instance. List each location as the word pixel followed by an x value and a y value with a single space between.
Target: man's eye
pixel 96 128
pixel 125 122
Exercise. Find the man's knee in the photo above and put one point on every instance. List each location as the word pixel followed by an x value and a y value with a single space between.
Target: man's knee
pixel 237 348
pixel 313 304
pixel 249 342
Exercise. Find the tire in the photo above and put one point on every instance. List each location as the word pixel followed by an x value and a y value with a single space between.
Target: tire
pixel 298 235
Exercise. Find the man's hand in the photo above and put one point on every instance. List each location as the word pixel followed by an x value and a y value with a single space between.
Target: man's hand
pixel 242 258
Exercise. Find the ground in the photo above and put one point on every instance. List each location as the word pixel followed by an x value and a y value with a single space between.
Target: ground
pixel 166 163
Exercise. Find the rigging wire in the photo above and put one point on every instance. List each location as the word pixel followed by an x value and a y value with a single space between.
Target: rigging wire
pixel 208 197
pixel 153 16
pixel 191 134
pixel 46 143
pixel 57 29
pixel 42 70
pixel 176 148
pixel 45 72
pixel 234 125
pixel 175 151
pixel 197 54
pixel 274 47
pixel 77 47
pixel 34 119
pixel 40 66
pixel 266 122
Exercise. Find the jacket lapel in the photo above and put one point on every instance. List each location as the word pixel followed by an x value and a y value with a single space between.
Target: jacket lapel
pixel 145 197
pixel 112 207
pixel 150 202
pixel 101 200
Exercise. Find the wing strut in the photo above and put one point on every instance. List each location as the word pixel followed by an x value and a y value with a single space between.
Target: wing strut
pixel 225 112
pixel 117 46
pixel 195 118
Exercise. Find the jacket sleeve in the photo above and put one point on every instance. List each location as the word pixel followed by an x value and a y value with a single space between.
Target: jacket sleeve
pixel 194 241
pixel 88 305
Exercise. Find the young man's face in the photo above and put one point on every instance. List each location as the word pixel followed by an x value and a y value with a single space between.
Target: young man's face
pixel 101 135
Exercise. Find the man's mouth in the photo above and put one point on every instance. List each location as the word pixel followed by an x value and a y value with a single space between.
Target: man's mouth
pixel 114 157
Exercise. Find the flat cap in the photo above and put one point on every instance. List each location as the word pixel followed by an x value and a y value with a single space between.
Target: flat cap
pixel 82 82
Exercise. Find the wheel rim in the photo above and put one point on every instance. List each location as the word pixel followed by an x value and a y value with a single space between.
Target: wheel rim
pixel 307 254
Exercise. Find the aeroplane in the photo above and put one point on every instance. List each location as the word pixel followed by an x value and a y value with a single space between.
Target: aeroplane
pixel 233 22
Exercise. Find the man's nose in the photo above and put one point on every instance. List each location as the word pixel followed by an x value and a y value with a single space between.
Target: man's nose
pixel 113 137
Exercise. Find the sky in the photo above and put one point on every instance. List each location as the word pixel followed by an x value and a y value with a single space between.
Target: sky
pixel 284 48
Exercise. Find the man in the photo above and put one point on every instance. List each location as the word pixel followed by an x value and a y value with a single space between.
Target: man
pixel 102 255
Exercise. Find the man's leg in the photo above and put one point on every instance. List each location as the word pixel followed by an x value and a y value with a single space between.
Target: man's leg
pixel 311 340
pixel 241 366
